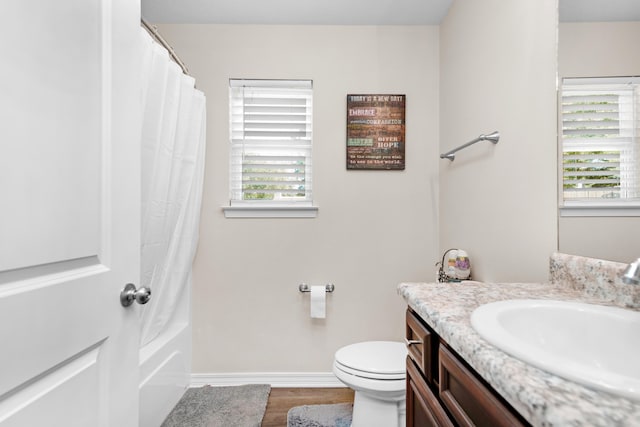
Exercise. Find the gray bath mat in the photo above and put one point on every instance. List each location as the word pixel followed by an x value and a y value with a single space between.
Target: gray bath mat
pixel 335 415
pixel 237 406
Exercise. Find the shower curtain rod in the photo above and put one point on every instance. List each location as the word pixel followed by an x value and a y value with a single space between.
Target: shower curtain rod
pixel 153 30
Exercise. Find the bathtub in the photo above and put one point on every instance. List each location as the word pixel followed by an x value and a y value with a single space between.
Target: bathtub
pixel 165 373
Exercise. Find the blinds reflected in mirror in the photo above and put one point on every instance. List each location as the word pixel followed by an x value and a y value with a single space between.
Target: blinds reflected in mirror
pixel 600 134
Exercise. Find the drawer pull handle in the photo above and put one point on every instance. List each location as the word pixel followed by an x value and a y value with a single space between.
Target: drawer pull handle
pixel 412 342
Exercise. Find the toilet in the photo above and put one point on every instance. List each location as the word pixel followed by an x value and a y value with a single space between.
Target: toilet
pixel 376 371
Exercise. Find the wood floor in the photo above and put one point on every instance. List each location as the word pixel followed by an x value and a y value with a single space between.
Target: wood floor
pixel 283 399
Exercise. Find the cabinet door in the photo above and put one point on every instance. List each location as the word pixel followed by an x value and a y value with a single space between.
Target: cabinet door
pixel 423 408
pixel 469 401
pixel 420 346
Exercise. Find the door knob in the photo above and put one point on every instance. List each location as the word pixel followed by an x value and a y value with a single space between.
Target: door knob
pixel 130 293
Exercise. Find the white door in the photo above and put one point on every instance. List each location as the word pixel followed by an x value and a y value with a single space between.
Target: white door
pixel 69 212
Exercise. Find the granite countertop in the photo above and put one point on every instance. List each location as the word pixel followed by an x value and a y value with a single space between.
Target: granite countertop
pixel 542 398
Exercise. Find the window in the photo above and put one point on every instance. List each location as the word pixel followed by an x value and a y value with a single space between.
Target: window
pixel 271 140
pixel 600 142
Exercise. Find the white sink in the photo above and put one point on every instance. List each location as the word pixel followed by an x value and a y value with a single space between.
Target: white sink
pixel 594 345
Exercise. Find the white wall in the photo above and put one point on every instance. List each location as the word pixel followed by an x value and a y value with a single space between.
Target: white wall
pixel 498 72
pixel 489 66
pixel 592 50
pixel 374 228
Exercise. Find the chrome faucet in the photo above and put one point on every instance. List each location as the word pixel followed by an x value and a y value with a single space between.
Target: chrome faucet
pixel 631 275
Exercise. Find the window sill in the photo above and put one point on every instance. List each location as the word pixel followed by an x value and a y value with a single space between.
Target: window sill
pixel 578 210
pixel 270 211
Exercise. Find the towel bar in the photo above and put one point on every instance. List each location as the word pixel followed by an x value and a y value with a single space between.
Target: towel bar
pixel 303 287
pixel 493 137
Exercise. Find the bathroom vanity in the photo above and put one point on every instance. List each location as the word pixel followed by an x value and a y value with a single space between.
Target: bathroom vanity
pixel 442 390
pixel 455 377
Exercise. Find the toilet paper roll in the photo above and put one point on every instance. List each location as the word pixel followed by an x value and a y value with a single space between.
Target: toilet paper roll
pixel 318 302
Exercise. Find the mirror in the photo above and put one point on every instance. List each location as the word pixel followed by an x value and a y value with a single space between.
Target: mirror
pixel 599 39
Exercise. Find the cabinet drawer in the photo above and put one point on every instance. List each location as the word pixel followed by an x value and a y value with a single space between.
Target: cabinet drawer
pixel 420 347
pixel 423 408
pixel 468 400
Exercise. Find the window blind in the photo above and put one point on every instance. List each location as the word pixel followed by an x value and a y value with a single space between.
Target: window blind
pixel 600 141
pixel 271 141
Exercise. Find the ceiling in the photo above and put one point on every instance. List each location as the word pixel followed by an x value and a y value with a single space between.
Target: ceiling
pixel 599 10
pixel 354 12
pixel 297 12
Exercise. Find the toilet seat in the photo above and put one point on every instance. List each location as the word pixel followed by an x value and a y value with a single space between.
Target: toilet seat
pixel 380 360
pixel 369 375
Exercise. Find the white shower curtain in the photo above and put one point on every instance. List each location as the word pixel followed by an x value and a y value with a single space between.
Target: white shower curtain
pixel 173 145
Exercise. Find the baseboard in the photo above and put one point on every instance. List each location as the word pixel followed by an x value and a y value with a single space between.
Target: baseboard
pixel 275 379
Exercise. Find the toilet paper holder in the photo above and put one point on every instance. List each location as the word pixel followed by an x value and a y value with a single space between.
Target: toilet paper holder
pixel 303 287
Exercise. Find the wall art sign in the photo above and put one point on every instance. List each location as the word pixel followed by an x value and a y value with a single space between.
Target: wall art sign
pixel 375 132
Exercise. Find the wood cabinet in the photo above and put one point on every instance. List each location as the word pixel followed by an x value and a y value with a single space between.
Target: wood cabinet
pixel 443 390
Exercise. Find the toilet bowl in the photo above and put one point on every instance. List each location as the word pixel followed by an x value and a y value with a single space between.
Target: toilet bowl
pixel 376 371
